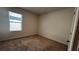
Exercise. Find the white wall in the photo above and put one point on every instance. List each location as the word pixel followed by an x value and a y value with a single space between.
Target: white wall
pixel 29 24
pixel 56 25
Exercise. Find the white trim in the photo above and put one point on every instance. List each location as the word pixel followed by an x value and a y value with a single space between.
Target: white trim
pixel 75 18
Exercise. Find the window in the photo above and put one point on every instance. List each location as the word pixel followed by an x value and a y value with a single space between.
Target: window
pixel 15 21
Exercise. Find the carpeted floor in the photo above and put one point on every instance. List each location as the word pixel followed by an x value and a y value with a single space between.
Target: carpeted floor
pixel 31 43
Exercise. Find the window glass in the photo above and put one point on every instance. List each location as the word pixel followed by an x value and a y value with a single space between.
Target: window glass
pixel 15 21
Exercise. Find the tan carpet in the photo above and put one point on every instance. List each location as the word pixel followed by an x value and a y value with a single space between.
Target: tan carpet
pixel 31 43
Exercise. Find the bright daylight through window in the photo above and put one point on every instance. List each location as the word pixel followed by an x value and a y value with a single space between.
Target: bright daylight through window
pixel 15 21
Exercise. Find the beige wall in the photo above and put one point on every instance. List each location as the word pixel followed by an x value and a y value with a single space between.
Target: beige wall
pixel 29 24
pixel 56 25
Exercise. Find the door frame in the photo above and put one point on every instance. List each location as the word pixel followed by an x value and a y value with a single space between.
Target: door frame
pixel 75 22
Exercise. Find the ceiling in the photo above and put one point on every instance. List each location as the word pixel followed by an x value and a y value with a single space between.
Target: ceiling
pixel 41 10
